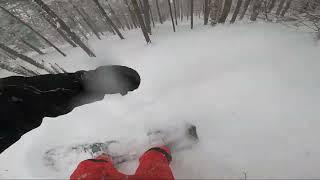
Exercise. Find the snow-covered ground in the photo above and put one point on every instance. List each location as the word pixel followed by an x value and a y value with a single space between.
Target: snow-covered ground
pixel 253 90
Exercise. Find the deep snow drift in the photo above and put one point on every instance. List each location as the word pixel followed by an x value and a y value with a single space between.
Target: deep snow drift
pixel 253 90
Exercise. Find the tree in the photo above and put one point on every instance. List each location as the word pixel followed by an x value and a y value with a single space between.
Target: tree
pixel 57 20
pixel 23 57
pixel 286 7
pixel 61 33
pixel 140 19
pixel 236 11
pixel 255 10
pixel 133 17
pixel 146 12
pixel 280 6
pixel 31 46
pixel 173 26
pixel 215 11
pixel 159 13
pixel 175 11
pixel 191 12
pixel 271 5
pixel 113 13
pixel 36 32
pixel 206 12
pixel 225 11
pixel 245 8
pixel 107 19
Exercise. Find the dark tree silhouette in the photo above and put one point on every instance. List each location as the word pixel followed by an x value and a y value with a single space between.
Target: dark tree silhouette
pixel 36 32
pixel 173 26
pixel 64 27
pixel 236 11
pixel 140 18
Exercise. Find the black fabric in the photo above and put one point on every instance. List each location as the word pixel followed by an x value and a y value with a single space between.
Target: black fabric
pixel 25 101
pixel 167 155
pixel 97 160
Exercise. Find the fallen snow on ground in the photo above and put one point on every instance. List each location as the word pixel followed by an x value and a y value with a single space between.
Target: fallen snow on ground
pixel 253 90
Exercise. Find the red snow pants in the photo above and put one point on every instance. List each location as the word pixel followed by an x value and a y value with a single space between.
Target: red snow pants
pixel 154 165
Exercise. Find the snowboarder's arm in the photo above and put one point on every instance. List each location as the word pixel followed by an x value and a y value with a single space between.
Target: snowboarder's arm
pixel 25 101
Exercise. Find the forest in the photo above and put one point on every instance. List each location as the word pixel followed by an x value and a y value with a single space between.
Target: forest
pixel 29 27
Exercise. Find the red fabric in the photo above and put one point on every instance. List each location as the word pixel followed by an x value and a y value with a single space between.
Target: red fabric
pixel 153 166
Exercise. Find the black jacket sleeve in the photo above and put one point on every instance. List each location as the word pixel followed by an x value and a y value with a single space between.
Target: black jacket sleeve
pixel 25 101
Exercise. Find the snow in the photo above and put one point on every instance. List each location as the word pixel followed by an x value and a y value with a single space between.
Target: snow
pixel 251 89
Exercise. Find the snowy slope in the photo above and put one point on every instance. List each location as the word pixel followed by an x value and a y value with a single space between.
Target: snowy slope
pixel 252 90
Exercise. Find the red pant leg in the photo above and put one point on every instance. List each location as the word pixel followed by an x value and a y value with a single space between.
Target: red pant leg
pixel 99 168
pixel 154 165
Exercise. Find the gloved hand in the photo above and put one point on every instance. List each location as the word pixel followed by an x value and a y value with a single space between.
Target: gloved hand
pixel 25 101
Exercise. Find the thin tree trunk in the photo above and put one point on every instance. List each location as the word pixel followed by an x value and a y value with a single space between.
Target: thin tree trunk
pixel 32 47
pixel 140 18
pixel 115 16
pixel 191 12
pixel 281 3
pixel 175 11
pixel 152 19
pixel 63 70
pixel 286 7
pixel 88 21
pixel 64 26
pixel 271 5
pixel 245 8
pixel 36 32
pixel 159 13
pixel 206 12
pixel 55 70
pixel 22 57
pixel 174 28
pixel 256 10
pixel 133 18
pixel 31 72
pixel 236 11
pixel 225 11
pixel 62 34
pixel 146 13
pixel 108 20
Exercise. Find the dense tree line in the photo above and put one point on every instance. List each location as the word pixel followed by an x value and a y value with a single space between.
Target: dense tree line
pixel 41 26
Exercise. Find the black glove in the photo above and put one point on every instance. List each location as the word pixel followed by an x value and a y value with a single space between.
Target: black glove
pixel 25 101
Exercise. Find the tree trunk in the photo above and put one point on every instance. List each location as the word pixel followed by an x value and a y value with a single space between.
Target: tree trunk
pixel 152 19
pixel 63 70
pixel 22 57
pixel 159 13
pixel 281 3
pixel 206 12
pixel 62 34
pixel 140 18
pixel 175 11
pixel 32 47
pixel 108 20
pixel 64 26
pixel 225 11
pixel 191 12
pixel 115 16
pixel 133 18
pixel 146 12
pixel 236 11
pixel 36 32
pixel 88 21
pixel 271 5
pixel 256 10
pixel 174 28
pixel 245 8
pixel 31 72
pixel 286 7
